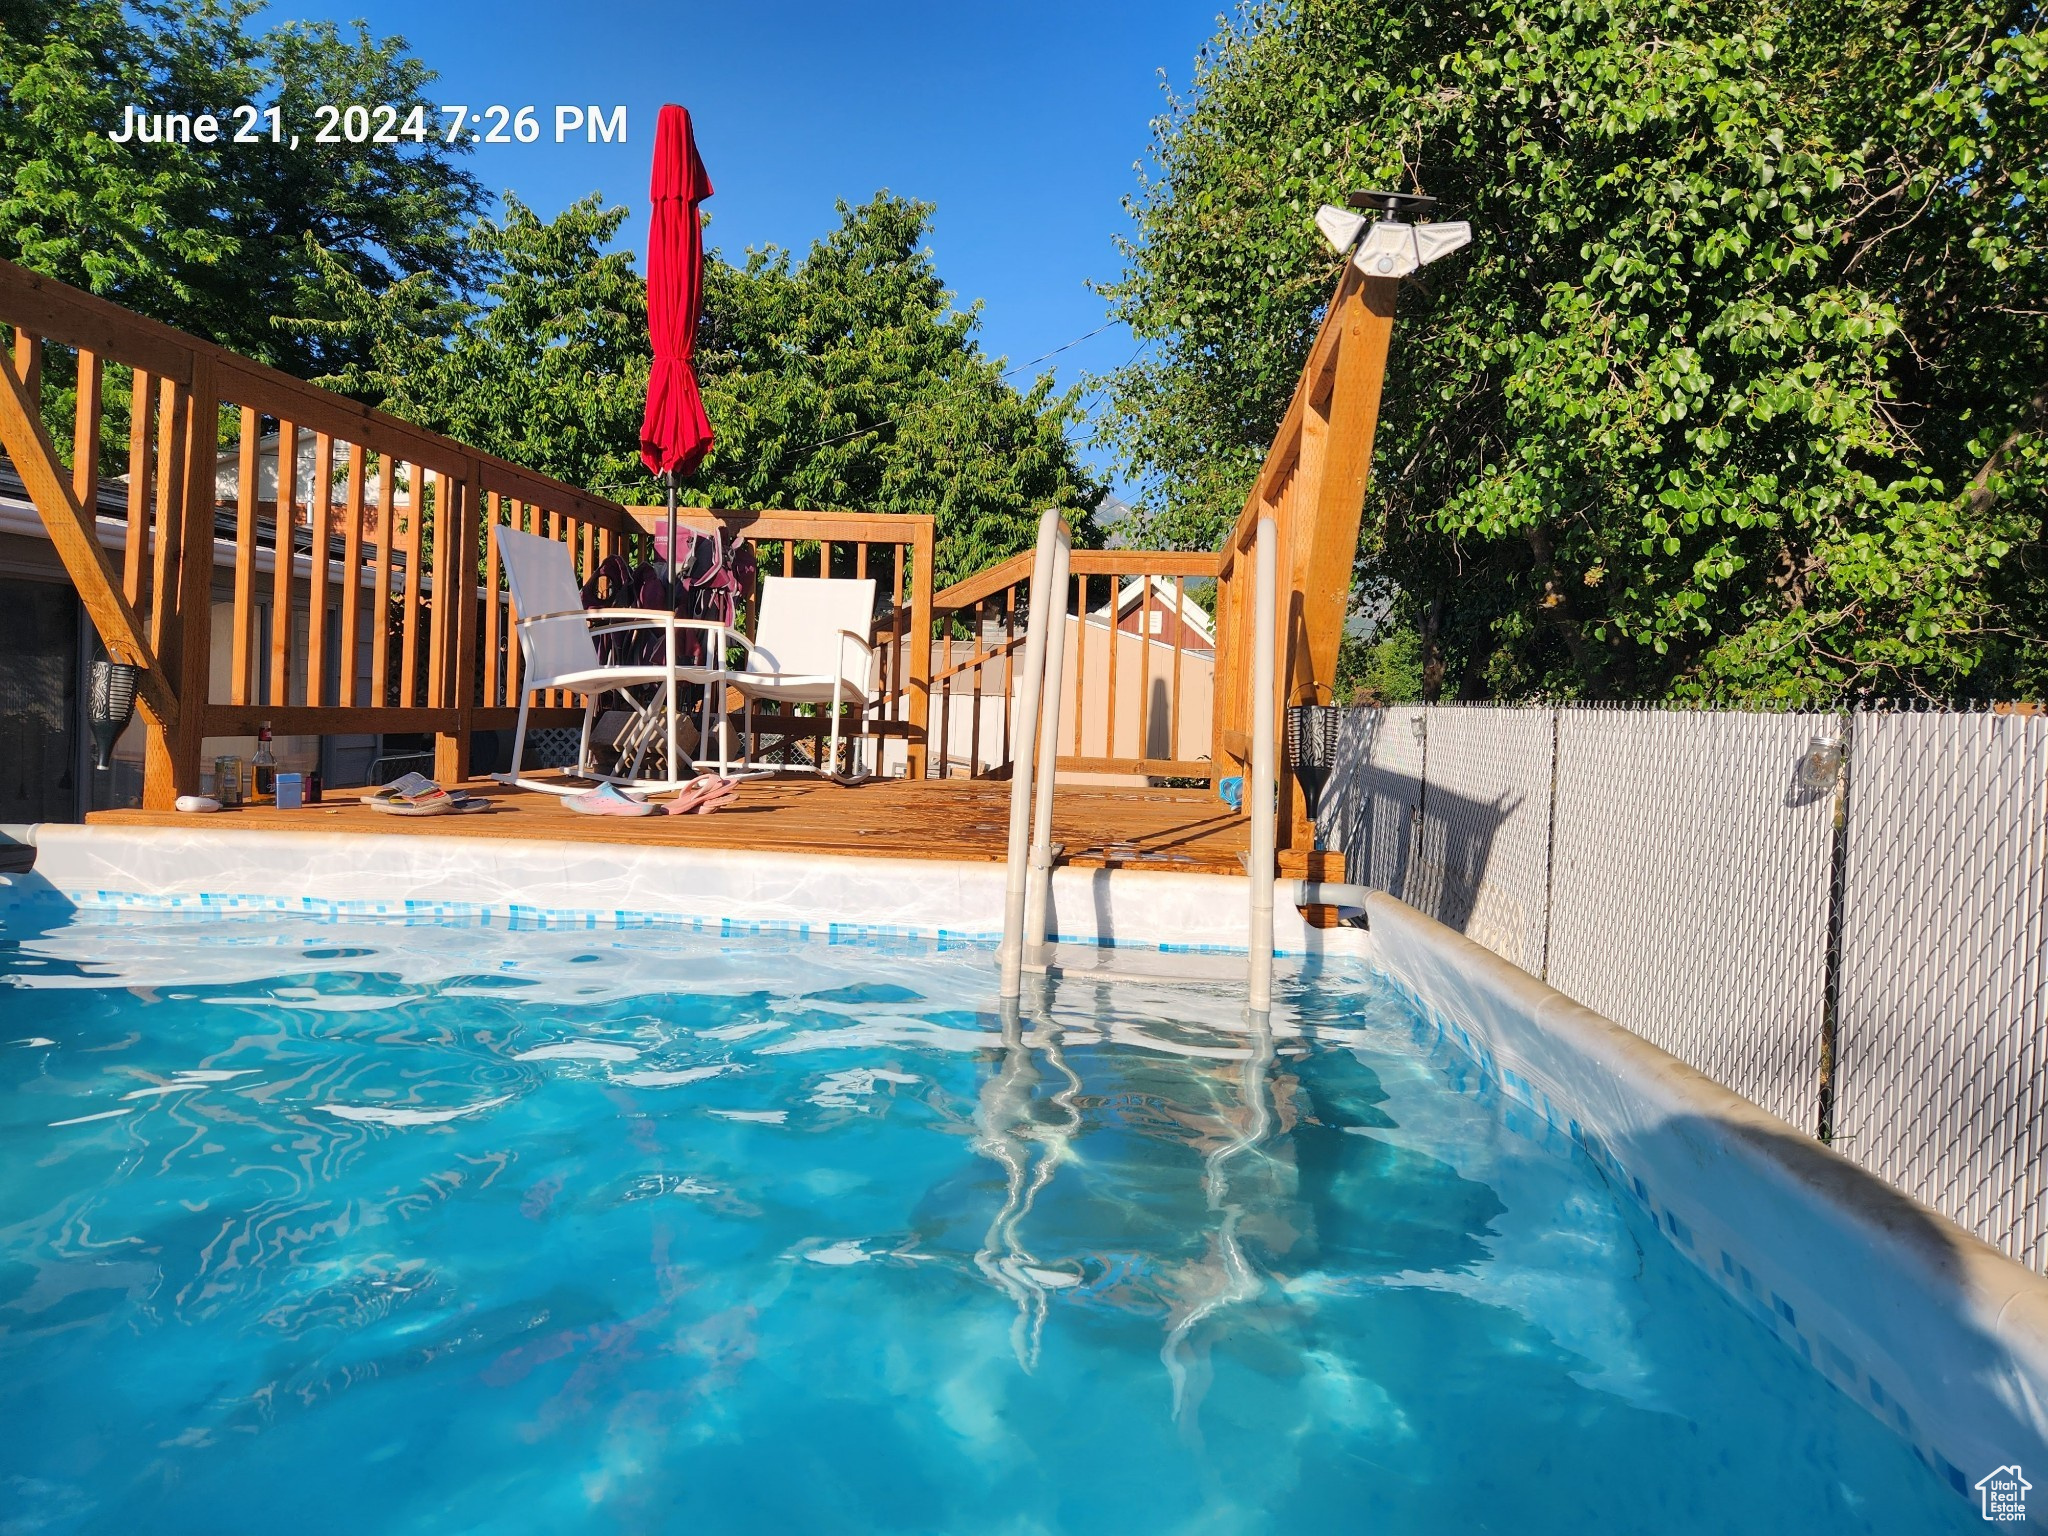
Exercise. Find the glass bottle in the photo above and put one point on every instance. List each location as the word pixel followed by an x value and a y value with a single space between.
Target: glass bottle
pixel 264 765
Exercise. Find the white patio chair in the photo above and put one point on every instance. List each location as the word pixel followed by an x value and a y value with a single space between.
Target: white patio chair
pixel 810 647
pixel 557 639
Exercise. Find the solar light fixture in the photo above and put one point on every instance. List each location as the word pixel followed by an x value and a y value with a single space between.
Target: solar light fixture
pixel 110 707
pixel 1389 246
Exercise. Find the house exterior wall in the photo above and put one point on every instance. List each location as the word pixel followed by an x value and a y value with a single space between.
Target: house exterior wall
pixel 26 553
pixel 1141 665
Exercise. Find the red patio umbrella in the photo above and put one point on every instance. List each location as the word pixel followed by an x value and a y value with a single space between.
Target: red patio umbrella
pixel 675 434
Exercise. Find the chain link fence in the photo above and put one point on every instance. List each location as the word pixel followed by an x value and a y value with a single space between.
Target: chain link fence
pixel 1843 917
pixel 1943 992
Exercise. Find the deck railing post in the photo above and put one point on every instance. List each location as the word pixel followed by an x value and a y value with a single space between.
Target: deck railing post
pixel 458 522
pixel 919 682
pixel 188 658
pixel 1228 674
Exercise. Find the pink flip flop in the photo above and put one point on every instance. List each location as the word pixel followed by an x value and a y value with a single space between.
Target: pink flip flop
pixel 724 792
pixel 703 795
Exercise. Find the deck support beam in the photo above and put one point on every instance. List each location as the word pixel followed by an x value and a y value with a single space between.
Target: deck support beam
pixel 75 538
pixel 189 635
pixel 1313 486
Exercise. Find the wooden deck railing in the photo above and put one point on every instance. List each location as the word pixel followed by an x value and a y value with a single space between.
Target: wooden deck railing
pixel 892 549
pixel 350 550
pixel 1136 675
pixel 1313 485
pixel 357 588
pixel 367 597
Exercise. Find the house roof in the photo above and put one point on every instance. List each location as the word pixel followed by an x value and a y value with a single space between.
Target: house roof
pixel 1192 613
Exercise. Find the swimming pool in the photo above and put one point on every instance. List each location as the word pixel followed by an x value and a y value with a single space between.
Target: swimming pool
pixel 444 1226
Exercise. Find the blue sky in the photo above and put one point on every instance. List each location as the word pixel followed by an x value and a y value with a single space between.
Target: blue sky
pixel 1020 121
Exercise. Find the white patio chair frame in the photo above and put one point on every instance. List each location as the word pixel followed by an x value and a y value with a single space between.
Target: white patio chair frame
pixel 777 686
pixel 577 630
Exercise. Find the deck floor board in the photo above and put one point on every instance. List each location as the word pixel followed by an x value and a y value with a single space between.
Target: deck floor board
pixel 1113 827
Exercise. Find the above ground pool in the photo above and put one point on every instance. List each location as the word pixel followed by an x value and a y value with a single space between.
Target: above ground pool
pixel 378 1227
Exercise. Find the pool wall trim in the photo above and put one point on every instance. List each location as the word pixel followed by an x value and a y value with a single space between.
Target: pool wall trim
pixel 1938 1334
pixel 593 883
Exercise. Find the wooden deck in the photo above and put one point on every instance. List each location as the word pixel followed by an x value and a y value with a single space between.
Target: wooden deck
pixel 1160 829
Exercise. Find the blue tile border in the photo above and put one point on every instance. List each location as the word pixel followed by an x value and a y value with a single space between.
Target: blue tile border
pixel 519 916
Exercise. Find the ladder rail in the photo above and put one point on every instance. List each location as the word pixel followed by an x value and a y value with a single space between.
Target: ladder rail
pixel 1052 536
pixel 1260 792
pixel 1038 880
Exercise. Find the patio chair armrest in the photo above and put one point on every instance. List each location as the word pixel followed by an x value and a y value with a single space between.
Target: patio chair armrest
pixel 859 640
pixel 541 618
pixel 747 647
pixel 622 618
pixel 619 620
pixel 652 616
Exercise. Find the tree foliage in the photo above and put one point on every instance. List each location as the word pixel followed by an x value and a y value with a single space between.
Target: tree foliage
pixel 1742 388
pixel 848 381
pixel 844 381
pixel 545 364
pixel 217 239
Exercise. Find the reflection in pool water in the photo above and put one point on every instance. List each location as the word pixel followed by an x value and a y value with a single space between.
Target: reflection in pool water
pixel 441 1228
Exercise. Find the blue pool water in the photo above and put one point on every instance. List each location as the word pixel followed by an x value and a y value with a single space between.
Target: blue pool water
pixel 412 1228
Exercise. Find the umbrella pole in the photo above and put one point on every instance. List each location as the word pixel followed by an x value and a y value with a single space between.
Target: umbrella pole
pixel 670 562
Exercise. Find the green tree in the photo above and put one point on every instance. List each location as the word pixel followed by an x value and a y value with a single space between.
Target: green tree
pixel 545 366
pixel 1742 388
pixel 848 381
pixel 844 381
pixel 217 239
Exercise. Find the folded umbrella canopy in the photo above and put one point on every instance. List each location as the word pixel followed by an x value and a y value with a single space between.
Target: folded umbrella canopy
pixel 675 434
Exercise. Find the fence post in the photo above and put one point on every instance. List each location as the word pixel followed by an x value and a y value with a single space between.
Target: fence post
pixel 1550 840
pixel 1831 965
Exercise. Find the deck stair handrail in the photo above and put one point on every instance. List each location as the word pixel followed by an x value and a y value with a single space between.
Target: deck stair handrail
pixel 1312 486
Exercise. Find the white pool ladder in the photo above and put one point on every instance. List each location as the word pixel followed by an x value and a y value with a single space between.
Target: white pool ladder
pixel 1027 892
